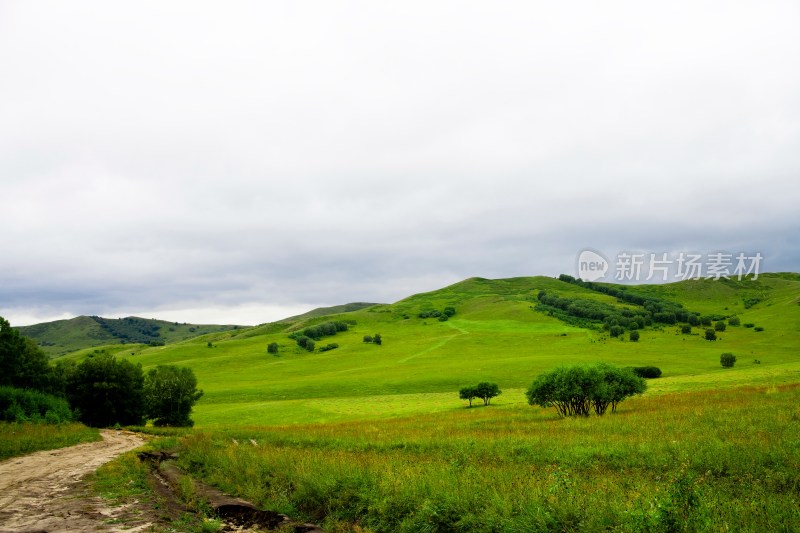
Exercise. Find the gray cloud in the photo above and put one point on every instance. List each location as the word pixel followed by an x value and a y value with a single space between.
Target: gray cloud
pixel 251 160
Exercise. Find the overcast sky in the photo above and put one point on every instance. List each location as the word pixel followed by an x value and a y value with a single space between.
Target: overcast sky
pixel 239 162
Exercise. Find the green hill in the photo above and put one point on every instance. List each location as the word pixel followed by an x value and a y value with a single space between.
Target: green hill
pixel 64 336
pixel 497 334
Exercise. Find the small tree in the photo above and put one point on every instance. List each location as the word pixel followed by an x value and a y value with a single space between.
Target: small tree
pixel 468 393
pixel 486 391
pixel 634 336
pixel 310 345
pixel 719 326
pixel 377 339
pixel 686 329
pixel 727 360
pixel 368 338
pixel 734 321
pixel 170 393
pixel 711 335
pixel 272 348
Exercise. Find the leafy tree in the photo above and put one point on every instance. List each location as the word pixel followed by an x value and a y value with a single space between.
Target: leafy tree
pixel 449 311
pixel 377 339
pixel 106 391
pixel 302 341
pixel 705 320
pixel 693 320
pixel 170 393
pixel 634 336
pixel 272 348
pixel 686 329
pixel 368 338
pixel 577 390
pixel 719 326
pixel 22 363
pixel 727 360
pixel 734 321
pixel 486 391
pixel 468 393
pixel 310 345
pixel 711 335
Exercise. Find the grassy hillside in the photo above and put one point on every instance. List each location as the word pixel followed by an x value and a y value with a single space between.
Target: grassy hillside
pixel 64 336
pixel 496 334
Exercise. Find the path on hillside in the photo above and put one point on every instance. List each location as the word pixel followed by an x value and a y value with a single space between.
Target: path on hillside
pixel 43 491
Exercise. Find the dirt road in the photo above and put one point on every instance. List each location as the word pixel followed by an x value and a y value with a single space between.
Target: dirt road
pixel 43 491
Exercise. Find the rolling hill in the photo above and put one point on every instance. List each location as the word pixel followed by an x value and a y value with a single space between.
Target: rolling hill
pixel 498 333
pixel 64 336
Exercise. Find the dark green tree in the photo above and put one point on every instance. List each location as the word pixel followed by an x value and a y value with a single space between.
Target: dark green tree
pixel 377 339
pixel 272 348
pixel 719 326
pixel 107 391
pixel 368 338
pixel 727 360
pixel 22 363
pixel 486 391
pixel 468 393
pixel 170 393
pixel 711 335
pixel 686 329
pixel 634 336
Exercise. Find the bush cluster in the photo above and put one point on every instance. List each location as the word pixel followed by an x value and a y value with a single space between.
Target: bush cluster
pixel 647 371
pixel 23 405
pixel 577 390
pixel 442 315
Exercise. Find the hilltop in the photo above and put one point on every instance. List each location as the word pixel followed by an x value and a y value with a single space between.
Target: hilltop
pixel 498 332
pixel 63 336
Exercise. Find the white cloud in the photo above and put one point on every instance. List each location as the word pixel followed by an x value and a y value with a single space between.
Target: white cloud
pixel 289 154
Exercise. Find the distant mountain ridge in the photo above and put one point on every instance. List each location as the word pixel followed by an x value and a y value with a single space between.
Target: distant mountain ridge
pixel 64 336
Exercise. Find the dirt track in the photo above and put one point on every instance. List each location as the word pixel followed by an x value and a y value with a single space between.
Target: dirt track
pixel 43 491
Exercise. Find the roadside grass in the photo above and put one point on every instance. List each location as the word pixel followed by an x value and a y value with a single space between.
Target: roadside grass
pixel 706 460
pixel 23 438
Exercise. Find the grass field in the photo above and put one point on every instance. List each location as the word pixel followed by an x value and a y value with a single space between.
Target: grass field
pixel 710 460
pixel 494 336
pixel 20 439
pixel 374 438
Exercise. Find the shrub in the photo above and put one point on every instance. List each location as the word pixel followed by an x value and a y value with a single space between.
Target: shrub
pixel 727 360
pixel 749 324
pixel 734 321
pixel 328 347
pixel 719 326
pixel 272 348
pixel 711 335
pixel 22 405
pixel 310 345
pixel 647 371
pixel 705 320
pixel 758 328
pixel 686 329
pixel 367 338
pixel 634 336
pixel 616 331
pixel 577 390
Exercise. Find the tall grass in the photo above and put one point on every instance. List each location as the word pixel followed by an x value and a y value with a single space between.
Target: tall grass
pixel 21 438
pixel 694 461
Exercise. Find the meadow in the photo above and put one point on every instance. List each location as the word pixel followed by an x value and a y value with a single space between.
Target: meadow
pixel 22 438
pixel 372 437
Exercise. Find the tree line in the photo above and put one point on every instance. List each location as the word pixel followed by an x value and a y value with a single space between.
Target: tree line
pixel 99 391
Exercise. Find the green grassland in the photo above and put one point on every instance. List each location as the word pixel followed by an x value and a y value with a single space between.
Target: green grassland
pixel 373 438
pixel 496 335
